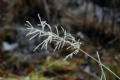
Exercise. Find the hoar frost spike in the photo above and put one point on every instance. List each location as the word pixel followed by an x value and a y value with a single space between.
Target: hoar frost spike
pixel 60 41
pixel 50 37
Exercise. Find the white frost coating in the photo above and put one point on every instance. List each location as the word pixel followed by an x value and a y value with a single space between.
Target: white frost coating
pixel 60 41
pixel 103 76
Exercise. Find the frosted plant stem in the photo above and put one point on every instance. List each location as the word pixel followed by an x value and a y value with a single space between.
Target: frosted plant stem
pixel 99 63
pixel 101 77
pixel 110 71
pixel 61 41
pixel 103 74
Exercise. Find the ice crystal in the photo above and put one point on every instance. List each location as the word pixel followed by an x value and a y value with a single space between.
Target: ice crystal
pixel 60 42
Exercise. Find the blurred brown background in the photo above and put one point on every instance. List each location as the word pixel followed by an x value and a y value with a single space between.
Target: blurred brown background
pixel 95 22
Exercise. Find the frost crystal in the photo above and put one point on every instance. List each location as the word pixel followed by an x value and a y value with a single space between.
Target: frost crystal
pixel 67 38
pixel 60 41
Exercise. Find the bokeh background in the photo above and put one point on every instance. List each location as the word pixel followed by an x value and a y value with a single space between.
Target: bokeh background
pixel 95 22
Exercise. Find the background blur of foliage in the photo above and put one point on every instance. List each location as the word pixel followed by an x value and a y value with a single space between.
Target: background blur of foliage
pixel 95 22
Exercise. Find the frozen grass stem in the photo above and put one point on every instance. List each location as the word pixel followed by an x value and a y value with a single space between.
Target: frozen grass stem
pixel 60 42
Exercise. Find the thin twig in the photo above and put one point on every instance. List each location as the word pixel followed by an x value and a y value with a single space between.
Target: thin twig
pixel 103 74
